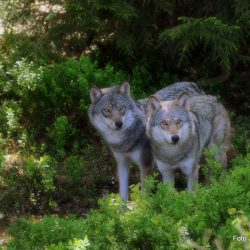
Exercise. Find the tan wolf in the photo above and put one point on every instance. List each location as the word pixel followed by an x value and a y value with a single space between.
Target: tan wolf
pixel 180 130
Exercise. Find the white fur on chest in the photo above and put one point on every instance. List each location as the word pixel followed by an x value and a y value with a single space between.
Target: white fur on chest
pixel 113 136
pixel 136 156
pixel 186 165
pixel 170 151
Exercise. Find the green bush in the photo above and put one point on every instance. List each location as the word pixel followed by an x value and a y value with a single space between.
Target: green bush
pixel 32 184
pixel 51 230
pixel 159 218
pixel 48 104
pixel 215 35
pixel 82 179
pixel 27 184
pixel 59 101
pixel 44 112
pixel 59 135
pixel 241 135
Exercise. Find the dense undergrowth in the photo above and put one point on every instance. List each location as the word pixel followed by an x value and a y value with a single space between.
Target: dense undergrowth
pixel 51 158
pixel 48 149
pixel 159 218
pixel 52 161
pixel 50 155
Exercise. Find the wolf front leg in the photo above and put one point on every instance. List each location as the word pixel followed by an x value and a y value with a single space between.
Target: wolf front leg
pixel 144 160
pixel 145 170
pixel 166 171
pixel 123 174
pixel 190 168
pixel 192 181
pixel 221 155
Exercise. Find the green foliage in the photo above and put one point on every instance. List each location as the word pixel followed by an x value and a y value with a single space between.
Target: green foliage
pixel 212 168
pixel 10 113
pixel 25 75
pixel 44 118
pixel 58 134
pixel 26 183
pixel 32 184
pixel 218 40
pixel 57 96
pixel 241 135
pixel 154 219
pixel 51 159
pixel 241 223
pixel 52 230
pixel 127 33
pixel 143 80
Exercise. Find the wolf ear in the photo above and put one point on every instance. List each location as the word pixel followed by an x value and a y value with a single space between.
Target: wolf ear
pixel 183 100
pixel 124 89
pixel 95 94
pixel 153 105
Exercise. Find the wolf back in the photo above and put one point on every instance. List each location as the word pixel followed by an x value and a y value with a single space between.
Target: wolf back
pixel 171 92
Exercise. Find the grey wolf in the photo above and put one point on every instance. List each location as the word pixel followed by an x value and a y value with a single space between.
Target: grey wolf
pixel 121 123
pixel 179 129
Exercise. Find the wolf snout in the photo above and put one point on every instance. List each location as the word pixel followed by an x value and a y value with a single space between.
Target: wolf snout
pixel 175 138
pixel 118 124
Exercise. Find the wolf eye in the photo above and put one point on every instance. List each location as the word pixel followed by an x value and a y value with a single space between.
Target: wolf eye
pixel 121 109
pixel 106 110
pixel 164 123
pixel 178 122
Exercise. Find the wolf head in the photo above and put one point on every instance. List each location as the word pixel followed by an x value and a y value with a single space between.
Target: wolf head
pixel 169 121
pixel 112 108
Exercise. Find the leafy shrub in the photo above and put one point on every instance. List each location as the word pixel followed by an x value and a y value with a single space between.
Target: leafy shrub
pixel 211 168
pixel 44 112
pixel 51 230
pixel 59 134
pixel 241 135
pixel 82 178
pixel 51 101
pixel 10 113
pixel 59 102
pixel 27 183
pixel 32 184
pixel 158 218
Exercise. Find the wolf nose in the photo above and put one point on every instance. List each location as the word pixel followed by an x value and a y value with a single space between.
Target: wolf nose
pixel 118 124
pixel 175 138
